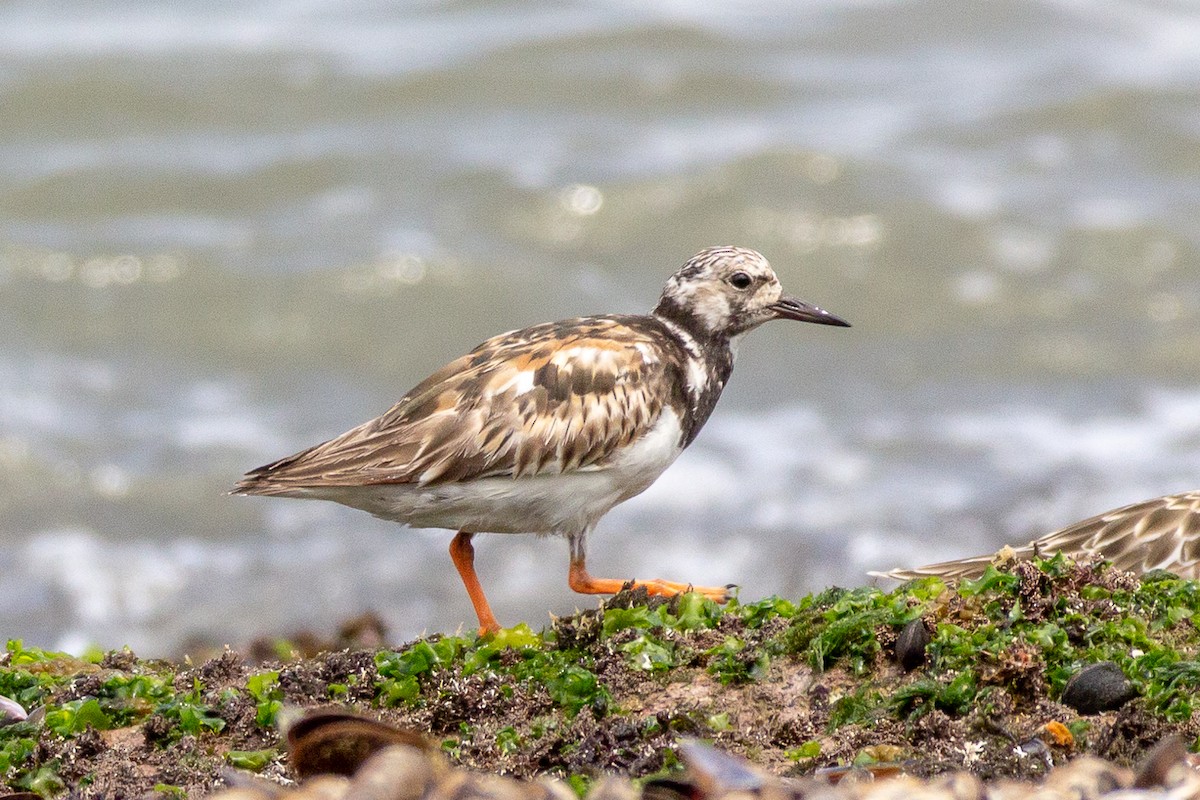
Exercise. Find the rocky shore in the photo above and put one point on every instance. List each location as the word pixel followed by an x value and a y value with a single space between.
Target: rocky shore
pixel 1041 679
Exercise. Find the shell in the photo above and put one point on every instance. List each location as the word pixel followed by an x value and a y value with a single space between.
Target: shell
pixel 339 743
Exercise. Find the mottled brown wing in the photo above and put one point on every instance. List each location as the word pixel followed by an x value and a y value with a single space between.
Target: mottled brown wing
pixel 1163 533
pixel 547 399
pixel 954 570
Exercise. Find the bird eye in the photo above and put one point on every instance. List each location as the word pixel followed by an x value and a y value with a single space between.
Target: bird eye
pixel 740 280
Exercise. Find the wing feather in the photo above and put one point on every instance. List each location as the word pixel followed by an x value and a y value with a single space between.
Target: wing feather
pixel 1163 533
pixel 556 397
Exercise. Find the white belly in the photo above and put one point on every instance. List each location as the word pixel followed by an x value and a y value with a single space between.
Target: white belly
pixel 552 503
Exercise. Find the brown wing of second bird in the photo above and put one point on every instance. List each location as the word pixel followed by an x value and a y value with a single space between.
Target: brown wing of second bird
pixel 1163 533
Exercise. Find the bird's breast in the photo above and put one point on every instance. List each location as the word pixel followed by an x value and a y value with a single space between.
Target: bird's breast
pixel 636 466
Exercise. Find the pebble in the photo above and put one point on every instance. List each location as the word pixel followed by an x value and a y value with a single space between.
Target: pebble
pixel 400 765
pixel 1098 687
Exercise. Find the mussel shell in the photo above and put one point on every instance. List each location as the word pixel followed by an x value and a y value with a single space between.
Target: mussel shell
pixel 11 711
pixel 337 743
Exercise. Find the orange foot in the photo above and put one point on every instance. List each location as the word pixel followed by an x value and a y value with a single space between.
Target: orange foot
pixel 580 581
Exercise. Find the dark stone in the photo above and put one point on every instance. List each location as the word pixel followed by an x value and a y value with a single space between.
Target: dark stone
pixel 1098 687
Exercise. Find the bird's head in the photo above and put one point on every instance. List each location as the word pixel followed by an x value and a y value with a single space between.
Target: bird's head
pixel 723 292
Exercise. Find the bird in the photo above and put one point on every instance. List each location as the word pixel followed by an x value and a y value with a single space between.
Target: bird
pixel 1162 533
pixel 545 429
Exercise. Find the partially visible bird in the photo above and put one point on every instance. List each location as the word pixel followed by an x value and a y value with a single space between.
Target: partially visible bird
pixel 545 429
pixel 1163 533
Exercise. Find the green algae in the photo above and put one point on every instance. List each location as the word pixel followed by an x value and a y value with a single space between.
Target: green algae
pixel 589 692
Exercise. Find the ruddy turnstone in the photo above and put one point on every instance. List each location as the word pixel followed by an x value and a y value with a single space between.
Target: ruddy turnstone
pixel 1163 533
pixel 545 429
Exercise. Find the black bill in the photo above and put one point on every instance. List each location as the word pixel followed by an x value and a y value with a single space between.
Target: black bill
pixel 794 308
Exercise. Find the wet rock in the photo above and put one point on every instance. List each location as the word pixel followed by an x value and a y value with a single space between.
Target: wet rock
pixel 1098 687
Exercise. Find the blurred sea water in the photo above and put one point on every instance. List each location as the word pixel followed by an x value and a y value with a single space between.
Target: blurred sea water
pixel 230 231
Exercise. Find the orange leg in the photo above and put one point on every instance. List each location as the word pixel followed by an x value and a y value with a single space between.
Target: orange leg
pixel 583 583
pixel 462 553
